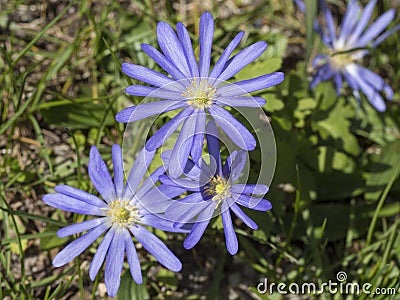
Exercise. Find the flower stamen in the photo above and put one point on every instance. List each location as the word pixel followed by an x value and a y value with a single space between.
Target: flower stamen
pixel 219 188
pixel 122 213
pixel 200 94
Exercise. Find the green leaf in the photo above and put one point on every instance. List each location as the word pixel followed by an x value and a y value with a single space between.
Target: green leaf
pixel 53 241
pixel 129 289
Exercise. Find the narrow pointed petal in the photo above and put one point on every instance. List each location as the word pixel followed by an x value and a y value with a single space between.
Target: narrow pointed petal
pixel 132 257
pixel 197 145
pixel 338 83
pixel 171 47
pixel 349 20
pixel 100 254
pixel 376 28
pixel 144 110
pixel 153 92
pixel 223 59
pixel 76 247
pixel 241 101
pixel 157 248
pixel 236 168
pixel 163 62
pixel 206 35
pixel 158 199
pixel 183 145
pixel 213 144
pixel 100 176
pixel 256 189
pixel 384 36
pixel 118 169
pixel 184 210
pixel 254 203
pixel 242 59
pixel 251 85
pixel 139 168
pixel 184 38
pixel 114 264
pixel 80 227
pixel 186 183
pixel 151 77
pixel 361 24
pixel 80 195
pixel 199 226
pixel 242 216
pixel 160 222
pixel 70 204
pixel 329 21
pixel 230 235
pixel 233 128
pixel 165 132
pixel 150 182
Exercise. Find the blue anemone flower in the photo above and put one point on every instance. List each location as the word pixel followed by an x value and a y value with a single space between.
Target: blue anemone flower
pixel 195 89
pixel 214 191
pixel 349 45
pixel 123 213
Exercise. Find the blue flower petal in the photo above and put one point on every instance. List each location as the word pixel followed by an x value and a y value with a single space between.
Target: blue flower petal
pixel 206 37
pixel 329 21
pixel 199 226
pixel 240 101
pixel 213 144
pixel 118 170
pixel 139 168
pixel 150 182
pixel 144 110
pixel 233 128
pixel 153 92
pixel 159 221
pixel 72 205
pixel 76 247
pixel 375 28
pixel 184 210
pixel 230 235
pixel 184 38
pixel 251 85
pixel 79 227
pixel 185 183
pixel 256 189
pixel 165 131
pixel 157 248
pixel 100 176
pixel 242 59
pixel 239 159
pixel 114 263
pixel 242 216
pixel 223 59
pixel 361 24
pixel 100 254
pixel 163 62
pixel 80 195
pixel 171 47
pixel 197 145
pixel 132 257
pixel 182 147
pixel 149 76
pixel 158 199
pixel 253 202
pixel 349 20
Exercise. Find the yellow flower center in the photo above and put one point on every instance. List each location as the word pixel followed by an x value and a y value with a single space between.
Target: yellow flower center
pixel 219 188
pixel 341 59
pixel 122 213
pixel 200 94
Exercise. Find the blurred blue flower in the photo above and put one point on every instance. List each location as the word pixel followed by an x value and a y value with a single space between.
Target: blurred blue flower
pixel 124 211
pixel 301 5
pixel 195 89
pixel 214 191
pixel 349 45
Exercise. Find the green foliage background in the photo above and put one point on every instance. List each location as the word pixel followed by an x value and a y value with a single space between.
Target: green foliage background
pixel 335 194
